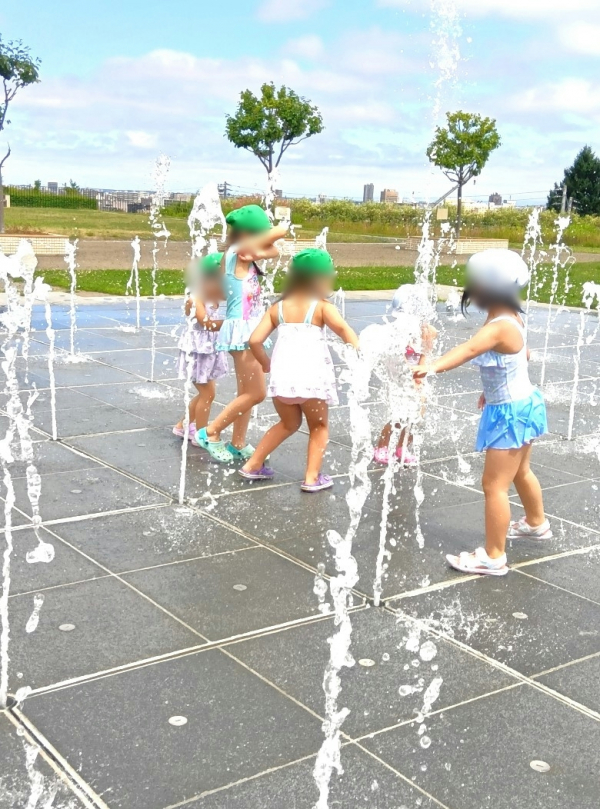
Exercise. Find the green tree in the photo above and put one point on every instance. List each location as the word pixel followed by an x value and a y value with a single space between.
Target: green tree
pixel 17 70
pixel 37 185
pixel 267 125
pixel 461 150
pixel 582 182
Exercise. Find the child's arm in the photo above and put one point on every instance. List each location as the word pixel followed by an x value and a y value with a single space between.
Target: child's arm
pixel 262 245
pixel 201 316
pixel 493 337
pixel 338 325
pixel 265 328
pixel 428 338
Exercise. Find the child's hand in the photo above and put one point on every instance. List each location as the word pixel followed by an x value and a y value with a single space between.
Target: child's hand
pixel 266 365
pixel 421 371
pixel 481 402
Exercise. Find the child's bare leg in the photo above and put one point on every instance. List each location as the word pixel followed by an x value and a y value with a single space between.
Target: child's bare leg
pixel 290 416
pixel 192 407
pixel 251 391
pixel 384 436
pixel 501 466
pixel 316 413
pixel 200 413
pixel 530 491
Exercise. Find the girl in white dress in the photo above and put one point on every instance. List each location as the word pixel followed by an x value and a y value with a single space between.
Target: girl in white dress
pixel 302 373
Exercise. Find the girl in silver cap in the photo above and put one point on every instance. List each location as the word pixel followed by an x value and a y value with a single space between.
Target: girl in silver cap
pixel 514 413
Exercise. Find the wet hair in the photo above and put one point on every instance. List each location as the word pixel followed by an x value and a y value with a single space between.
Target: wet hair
pixel 487 298
pixel 298 282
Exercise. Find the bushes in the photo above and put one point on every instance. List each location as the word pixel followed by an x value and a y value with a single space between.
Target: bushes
pixel 34 198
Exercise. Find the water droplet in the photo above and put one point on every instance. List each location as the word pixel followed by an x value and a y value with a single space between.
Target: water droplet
pixel 76 491
pixel 539 766
pixel 178 721
pixel 425 742
pixel 448 766
pixel 522 616
pixel 366 662
pixel 67 627
pixel 428 650
pixel 239 587
pixel 385 657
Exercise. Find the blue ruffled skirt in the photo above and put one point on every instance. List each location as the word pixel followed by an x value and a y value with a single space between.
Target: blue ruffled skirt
pixel 512 425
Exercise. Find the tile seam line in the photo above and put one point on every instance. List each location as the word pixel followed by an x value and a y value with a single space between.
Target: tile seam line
pixel 180 653
pixel 570 703
pixel 558 587
pixel 442 585
pixel 61 761
pixel 437 712
pixel 409 781
pixel 565 665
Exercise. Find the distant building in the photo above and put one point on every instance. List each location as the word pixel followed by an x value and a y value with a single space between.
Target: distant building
pixel 368 190
pixel 53 188
pixel 390 196
pixel 495 199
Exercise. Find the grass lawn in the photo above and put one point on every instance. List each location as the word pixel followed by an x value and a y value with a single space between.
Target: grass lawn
pixel 170 282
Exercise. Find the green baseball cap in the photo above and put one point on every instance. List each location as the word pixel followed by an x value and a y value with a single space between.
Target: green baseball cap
pixel 210 264
pixel 251 218
pixel 313 262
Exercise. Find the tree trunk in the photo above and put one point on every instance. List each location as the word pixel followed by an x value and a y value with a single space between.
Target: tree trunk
pixel 459 209
pixel 1 203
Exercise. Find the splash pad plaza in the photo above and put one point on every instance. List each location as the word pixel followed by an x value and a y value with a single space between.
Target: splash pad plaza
pixel 169 633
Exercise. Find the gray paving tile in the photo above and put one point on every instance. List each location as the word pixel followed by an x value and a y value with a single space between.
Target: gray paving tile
pixel 16 787
pixel 116 730
pixel 93 418
pixel 578 682
pixel 86 491
pixel 577 502
pixel 50 458
pixel 67 565
pixel 113 626
pixel 203 593
pixel 364 782
pixel 578 574
pixel 480 753
pixel 482 613
pixel 150 537
pixel 371 693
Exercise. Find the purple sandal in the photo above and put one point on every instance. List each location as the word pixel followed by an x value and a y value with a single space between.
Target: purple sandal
pixel 264 473
pixel 322 482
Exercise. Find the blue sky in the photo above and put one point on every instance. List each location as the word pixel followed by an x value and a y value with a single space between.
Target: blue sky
pixel 124 81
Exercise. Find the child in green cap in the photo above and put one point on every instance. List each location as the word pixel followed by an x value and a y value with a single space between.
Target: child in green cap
pixel 199 359
pixel 251 239
pixel 302 373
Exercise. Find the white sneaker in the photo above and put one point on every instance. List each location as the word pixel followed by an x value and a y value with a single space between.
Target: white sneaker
pixel 522 530
pixel 478 562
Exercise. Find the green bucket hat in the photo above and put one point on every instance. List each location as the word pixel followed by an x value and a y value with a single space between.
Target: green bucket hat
pixel 251 218
pixel 210 264
pixel 313 262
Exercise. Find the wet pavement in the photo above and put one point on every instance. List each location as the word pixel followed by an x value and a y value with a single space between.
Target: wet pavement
pixel 180 651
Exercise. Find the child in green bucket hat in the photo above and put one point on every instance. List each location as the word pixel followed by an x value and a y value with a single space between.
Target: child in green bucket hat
pixel 302 379
pixel 251 238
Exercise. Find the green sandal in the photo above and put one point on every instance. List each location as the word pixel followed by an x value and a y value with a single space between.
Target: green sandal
pixel 243 454
pixel 216 449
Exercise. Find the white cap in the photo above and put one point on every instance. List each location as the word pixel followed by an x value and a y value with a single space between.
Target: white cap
pixel 412 299
pixel 499 270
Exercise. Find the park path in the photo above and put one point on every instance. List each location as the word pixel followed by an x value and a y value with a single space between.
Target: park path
pixel 96 254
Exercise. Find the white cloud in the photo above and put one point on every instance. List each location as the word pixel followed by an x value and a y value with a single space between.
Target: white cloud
pixel 289 10
pixel 143 140
pixel 570 95
pixel 307 47
pixel 581 37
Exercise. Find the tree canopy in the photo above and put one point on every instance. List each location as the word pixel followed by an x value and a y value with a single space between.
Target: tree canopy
pixel 17 70
pixel 267 125
pixel 582 181
pixel 462 148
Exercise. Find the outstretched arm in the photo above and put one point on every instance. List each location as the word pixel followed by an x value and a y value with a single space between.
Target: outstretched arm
pixel 338 325
pixel 265 328
pixel 489 338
